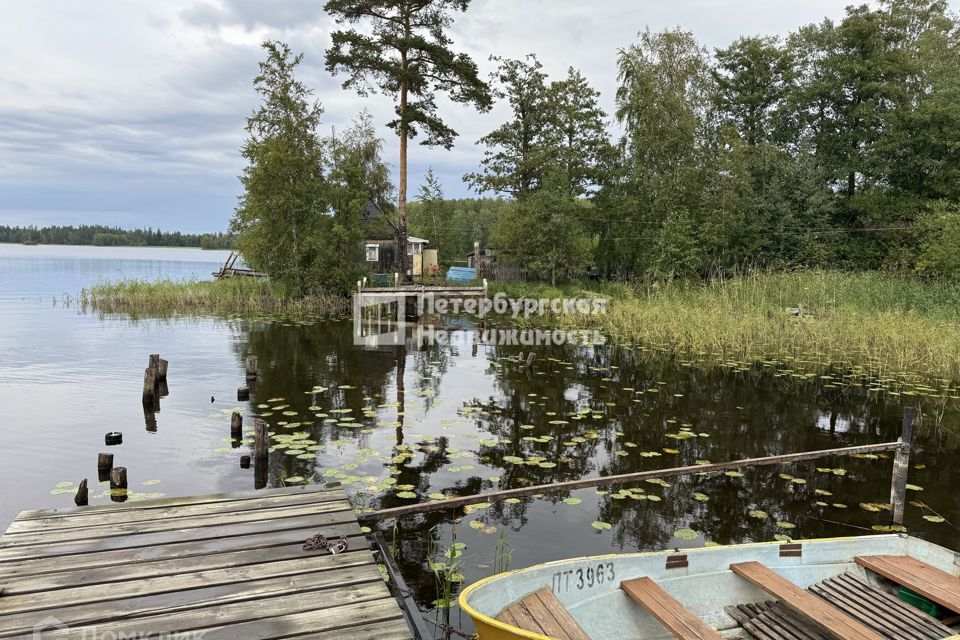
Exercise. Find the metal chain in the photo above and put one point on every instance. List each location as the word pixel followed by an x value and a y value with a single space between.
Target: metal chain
pixel 449 630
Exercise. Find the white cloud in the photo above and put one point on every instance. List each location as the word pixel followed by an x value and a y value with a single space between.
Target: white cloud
pixel 126 112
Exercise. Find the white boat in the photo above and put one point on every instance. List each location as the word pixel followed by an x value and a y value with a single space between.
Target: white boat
pixel 863 588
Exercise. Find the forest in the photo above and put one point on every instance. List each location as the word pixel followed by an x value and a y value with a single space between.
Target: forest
pixel 836 146
pixel 103 236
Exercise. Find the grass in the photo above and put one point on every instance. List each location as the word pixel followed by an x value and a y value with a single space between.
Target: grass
pixel 218 297
pixel 877 323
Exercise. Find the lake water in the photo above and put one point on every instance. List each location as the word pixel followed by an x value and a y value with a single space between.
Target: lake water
pixel 462 421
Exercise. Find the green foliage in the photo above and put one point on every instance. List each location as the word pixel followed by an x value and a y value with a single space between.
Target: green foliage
pixel 460 223
pixel 281 219
pixel 545 233
pixel 405 53
pixel 939 230
pixel 513 162
pixel 113 236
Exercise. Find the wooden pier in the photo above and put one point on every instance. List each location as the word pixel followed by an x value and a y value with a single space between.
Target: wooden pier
pixel 218 566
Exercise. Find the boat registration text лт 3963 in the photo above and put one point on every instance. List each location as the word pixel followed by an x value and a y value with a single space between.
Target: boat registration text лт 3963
pixel 583 577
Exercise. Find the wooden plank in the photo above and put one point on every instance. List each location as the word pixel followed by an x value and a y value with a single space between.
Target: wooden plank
pixel 668 611
pixel 880 610
pixel 812 608
pixel 141 505
pixel 561 615
pixel 339 619
pixel 109 518
pixel 930 582
pixel 184 582
pixel 327 596
pixel 176 536
pixel 261 539
pixel 167 524
pixel 497 496
pixel 390 630
pixel 97 574
pixel 541 612
pixel 882 599
pixel 249 592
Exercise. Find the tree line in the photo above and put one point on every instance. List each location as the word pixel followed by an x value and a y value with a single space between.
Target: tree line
pixel 835 146
pixel 103 236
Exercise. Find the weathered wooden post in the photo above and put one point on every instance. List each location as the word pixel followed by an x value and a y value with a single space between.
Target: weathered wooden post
pixel 154 361
pixel 236 428
pixel 149 385
pixel 261 443
pixel 113 438
pixel 252 368
pixel 243 394
pixel 105 461
pixel 118 484
pixel 244 462
pixel 901 464
pixel 162 368
pixel 81 498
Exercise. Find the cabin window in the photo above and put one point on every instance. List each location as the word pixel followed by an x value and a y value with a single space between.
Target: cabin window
pixel 414 248
pixel 373 253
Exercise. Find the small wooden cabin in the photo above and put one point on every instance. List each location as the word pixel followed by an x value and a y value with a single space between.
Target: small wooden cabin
pixel 380 246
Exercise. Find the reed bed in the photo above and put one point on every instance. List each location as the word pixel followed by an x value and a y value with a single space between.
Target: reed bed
pixel 220 297
pixel 883 324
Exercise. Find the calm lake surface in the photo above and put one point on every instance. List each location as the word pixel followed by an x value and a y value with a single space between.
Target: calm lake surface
pixel 395 425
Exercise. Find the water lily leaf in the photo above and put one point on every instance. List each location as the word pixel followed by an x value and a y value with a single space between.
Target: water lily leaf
pixel 823 492
pixel 701 497
pixel 572 500
pixel 758 514
pixel 733 474
pixel 437 496
pixel 476 524
pixel 686 534
pixel 406 495
pixel 913 487
pixel 150 483
pixel 785 525
pixel 601 526
pixel 548 465
pixel 839 472
pixel 937 519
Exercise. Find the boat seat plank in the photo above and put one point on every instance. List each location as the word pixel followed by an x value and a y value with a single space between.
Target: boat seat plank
pixel 668 611
pixel 930 582
pixel 541 612
pixel 804 603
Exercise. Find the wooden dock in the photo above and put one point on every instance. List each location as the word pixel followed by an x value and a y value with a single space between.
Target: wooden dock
pixel 217 566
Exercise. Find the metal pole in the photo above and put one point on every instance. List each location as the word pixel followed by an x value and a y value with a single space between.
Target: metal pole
pixel 496 496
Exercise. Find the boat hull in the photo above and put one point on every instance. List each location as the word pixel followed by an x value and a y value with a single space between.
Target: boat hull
pixel 589 587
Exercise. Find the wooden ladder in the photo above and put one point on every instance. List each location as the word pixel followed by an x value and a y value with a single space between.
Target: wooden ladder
pixel 818 611
pixel 674 616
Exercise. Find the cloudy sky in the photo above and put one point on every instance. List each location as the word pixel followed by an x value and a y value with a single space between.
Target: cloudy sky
pixel 131 113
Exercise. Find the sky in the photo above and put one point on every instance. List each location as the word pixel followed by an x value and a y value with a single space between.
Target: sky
pixel 131 113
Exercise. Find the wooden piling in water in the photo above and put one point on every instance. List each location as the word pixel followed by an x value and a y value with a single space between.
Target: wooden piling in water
pixel 252 368
pixel 105 461
pixel 901 465
pixel 82 495
pixel 261 441
pixel 118 478
pixel 149 385
pixel 162 369
pixel 244 462
pixel 243 394
pixel 118 484
pixel 154 362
